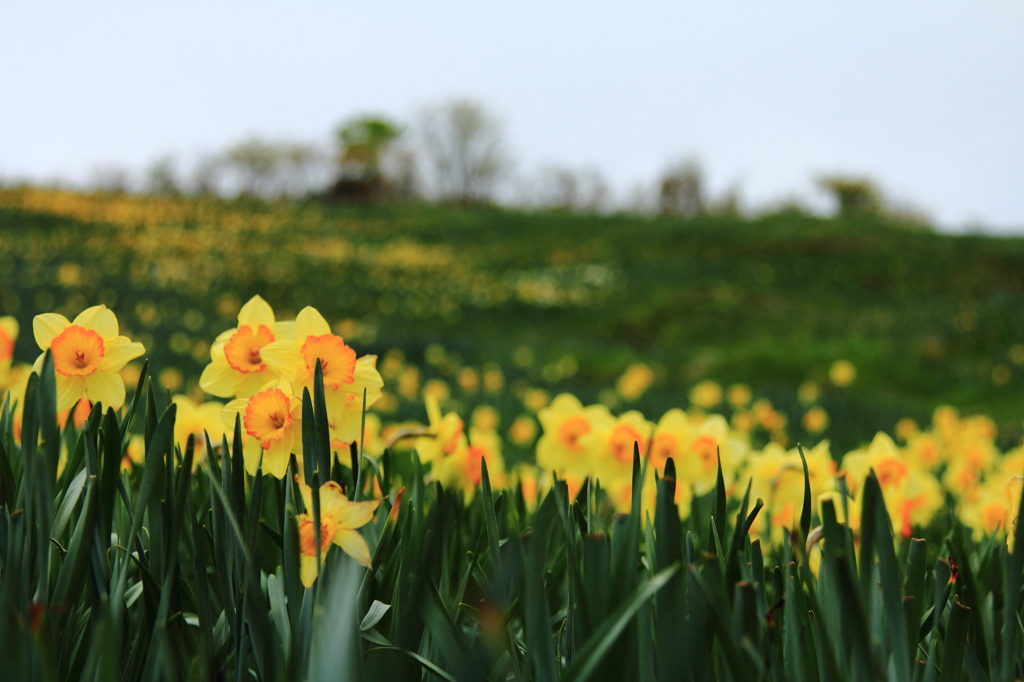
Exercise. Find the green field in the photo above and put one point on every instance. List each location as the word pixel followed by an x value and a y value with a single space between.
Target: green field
pixel 926 318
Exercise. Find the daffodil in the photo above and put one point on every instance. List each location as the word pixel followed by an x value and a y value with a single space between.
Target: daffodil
pixel 566 424
pixel 611 445
pixel 345 376
pixel 272 425
pixel 198 419
pixel 87 356
pixel 8 335
pixel 237 368
pixel 464 469
pixel 446 434
pixel 339 519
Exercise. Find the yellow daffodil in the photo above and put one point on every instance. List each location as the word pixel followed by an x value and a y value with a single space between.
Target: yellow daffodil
pixel 8 335
pixel 463 469
pixel 611 445
pixel 566 424
pixel 272 425
pixel 237 368
pixel 446 433
pixel 87 355
pixel 339 519
pixel 345 377
pixel 198 419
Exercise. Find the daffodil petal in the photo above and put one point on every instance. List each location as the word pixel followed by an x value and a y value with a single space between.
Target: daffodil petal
pixel 284 330
pixel 219 379
pixel 275 458
pixel 256 312
pixel 118 352
pixel 230 412
pixel 106 388
pixel 355 514
pixel 309 322
pixel 100 319
pixel 10 326
pixel 283 357
pixel 307 570
pixel 47 327
pixel 69 390
pixel 353 543
pixel 251 452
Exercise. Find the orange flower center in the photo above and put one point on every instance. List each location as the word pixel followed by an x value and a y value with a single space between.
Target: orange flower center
pixel 474 470
pixel 890 472
pixel 993 516
pixel 337 360
pixel 242 350
pixel 77 351
pixel 706 450
pixel 307 535
pixel 268 415
pixel 449 433
pixel 6 346
pixel 622 441
pixel 663 447
pixel 572 429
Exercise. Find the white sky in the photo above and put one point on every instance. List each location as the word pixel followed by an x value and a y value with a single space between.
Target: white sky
pixel 926 97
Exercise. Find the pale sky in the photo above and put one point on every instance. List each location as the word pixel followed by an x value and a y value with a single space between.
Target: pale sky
pixel 926 97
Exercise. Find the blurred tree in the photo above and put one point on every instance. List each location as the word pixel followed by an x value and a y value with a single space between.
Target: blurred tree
pixel 682 190
pixel 255 161
pixel 465 148
pixel 853 196
pixel 206 176
pixel 569 189
pixel 110 178
pixel 363 145
pixel 162 177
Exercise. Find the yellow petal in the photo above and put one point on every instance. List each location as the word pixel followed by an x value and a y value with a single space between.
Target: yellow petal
pixel 283 357
pixel 69 391
pixel 332 500
pixel 251 452
pixel 256 312
pixel 118 352
pixel 100 319
pixel 47 327
pixel 106 388
pixel 275 458
pixel 219 379
pixel 284 330
pixel 354 545
pixel 254 382
pixel 307 570
pixel 309 322
pixel 229 411
pixel 355 514
pixel 9 325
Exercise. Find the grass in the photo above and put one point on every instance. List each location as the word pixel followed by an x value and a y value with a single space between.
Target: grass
pixel 770 302
pixel 167 573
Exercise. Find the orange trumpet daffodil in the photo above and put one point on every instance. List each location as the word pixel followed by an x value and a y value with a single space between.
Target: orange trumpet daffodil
pixel 272 425
pixel 237 368
pixel 87 355
pixel 339 519
pixel 345 376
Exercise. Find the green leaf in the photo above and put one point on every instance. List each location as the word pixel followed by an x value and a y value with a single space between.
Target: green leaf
pixel 374 614
pixel 593 651
pixel 955 643
pixel 805 512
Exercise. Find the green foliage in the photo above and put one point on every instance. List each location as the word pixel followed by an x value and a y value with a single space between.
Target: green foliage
pixel 167 573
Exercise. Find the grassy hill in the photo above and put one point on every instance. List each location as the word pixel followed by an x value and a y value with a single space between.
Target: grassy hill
pixel 771 302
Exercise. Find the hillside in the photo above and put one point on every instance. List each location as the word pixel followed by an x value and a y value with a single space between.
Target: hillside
pixel 772 302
